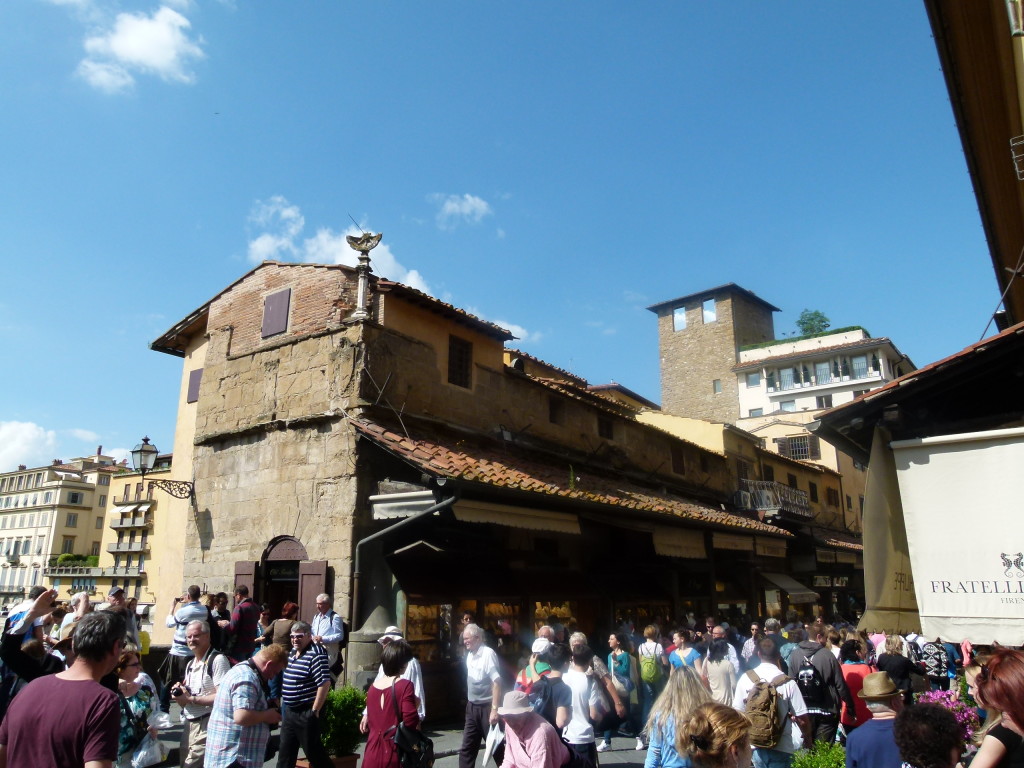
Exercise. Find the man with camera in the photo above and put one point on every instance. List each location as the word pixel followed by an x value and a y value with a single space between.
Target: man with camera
pixel 179 616
pixel 197 692
pixel 239 725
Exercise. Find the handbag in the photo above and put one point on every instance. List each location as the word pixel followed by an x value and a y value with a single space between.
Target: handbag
pixel 414 749
pixel 140 730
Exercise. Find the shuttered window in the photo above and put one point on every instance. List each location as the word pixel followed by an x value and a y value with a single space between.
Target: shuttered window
pixel 460 362
pixel 275 313
pixel 194 379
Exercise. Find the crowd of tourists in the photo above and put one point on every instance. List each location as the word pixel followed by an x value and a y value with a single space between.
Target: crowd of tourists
pixel 73 693
pixel 716 696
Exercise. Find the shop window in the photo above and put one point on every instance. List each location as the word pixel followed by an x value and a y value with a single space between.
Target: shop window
pixel 679 319
pixel 275 313
pixel 605 428
pixel 460 362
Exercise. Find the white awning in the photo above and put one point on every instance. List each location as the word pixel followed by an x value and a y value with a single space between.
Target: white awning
pixel 389 506
pixel 678 542
pixel 124 509
pixel 797 592
pixel 967 586
pixel 515 517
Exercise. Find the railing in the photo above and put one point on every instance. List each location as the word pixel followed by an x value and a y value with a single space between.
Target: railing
pixel 128 546
pixel 136 521
pixel 72 570
pixel 769 495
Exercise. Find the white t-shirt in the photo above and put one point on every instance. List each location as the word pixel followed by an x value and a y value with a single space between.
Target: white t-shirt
pixel 579 730
pixel 481 671
pixel 790 701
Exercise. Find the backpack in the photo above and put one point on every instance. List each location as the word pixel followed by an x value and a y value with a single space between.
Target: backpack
pixel 216 633
pixel 762 709
pixel 936 663
pixel 811 683
pixel 650 669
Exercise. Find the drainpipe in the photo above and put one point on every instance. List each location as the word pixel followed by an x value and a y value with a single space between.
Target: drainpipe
pixel 356 573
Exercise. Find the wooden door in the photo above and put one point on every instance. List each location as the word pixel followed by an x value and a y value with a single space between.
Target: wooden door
pixel 312 581
pixel 246 572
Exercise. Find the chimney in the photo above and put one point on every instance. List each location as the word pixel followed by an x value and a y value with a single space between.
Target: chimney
pixel 99 450
pixel 22 467
pixel 57 462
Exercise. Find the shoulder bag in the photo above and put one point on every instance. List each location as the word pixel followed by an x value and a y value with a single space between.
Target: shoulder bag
pixel 414 749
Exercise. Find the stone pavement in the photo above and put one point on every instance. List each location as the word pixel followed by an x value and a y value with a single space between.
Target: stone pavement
pixel 446 746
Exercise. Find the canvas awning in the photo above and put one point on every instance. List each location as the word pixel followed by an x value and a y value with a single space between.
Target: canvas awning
pixel 796 591
pixel 677 542
pixel 968 585
pixel 516 517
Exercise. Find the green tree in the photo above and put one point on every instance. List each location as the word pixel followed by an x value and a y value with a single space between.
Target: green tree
pixel 811 322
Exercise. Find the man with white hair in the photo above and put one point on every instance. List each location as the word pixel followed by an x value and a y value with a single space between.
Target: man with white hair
pixel 483 693
pixel 197 691
pixel 328 631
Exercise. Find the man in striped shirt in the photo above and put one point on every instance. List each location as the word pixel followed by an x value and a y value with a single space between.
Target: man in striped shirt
pixel 307 679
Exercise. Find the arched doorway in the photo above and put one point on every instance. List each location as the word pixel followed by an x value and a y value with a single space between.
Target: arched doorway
pixel 284 574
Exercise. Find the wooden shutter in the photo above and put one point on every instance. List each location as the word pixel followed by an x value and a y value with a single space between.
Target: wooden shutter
pixel 783 445
pixel 814 446
pixel 194 379
pixel 312 581
pixel 245 573
pixel 275 313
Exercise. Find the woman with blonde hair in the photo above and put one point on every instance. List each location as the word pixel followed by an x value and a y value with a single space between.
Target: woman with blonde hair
pixel 682 695
pixel 716 736
pixel 898 666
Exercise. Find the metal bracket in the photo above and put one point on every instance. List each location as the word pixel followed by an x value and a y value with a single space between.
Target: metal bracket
pixel 179 489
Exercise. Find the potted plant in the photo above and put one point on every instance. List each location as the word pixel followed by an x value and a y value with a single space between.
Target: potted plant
pixel 821 755
pixel 339 726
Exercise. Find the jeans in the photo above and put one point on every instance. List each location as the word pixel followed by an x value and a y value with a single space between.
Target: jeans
pixel 301 727
pixel 771 758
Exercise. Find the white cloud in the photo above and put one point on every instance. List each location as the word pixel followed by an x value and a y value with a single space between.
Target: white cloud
pixel 453 209
pixel 22 442
pixel 119 455
pixel 157 44
pixel 521 333
pixel 109 78
pixel 85 435
pixel 286 223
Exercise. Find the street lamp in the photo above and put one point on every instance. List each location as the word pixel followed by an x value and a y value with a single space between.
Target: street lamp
pixel 144 458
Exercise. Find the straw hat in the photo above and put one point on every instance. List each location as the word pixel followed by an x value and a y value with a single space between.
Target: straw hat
pixel 878 686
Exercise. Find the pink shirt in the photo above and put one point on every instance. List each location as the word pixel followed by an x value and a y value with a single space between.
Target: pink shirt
pixel 535 744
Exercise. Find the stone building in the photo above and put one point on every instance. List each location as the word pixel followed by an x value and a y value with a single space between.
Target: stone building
pixel 402 459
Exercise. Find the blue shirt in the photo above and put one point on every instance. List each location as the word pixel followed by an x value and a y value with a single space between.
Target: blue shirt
pixel 873 745
pixel 661 752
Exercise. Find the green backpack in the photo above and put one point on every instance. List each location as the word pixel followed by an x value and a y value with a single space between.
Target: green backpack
pixel 650 669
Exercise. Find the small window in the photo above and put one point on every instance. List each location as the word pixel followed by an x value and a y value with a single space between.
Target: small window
pixel 103 501
pixel 72 520
pixel 709 313
pixel 862 504
pixel 44 519
pixel 679 319
pixel 859 392
pixel 47 496
pixel 99 523
pixel 787 405
pixel 460 362
pixel 556 410
pixel 756 412
pixel 742 469
pixel 95 551
pixel 138 491
pixel 104 480
pixel 823 401
pixel 705 465
pixel 195 378
pixel 678 460
pixel 791 480
pixel 860 366
pixel 768 472
pixel 716 386
pixel 275 313
pixel 74 497
pixel 812 489
pixel 753 379
pixel 605 428
pixel 832 497
pixel 68 545
pixel 849 502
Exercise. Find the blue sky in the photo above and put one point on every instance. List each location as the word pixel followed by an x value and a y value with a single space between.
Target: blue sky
pixel 553 167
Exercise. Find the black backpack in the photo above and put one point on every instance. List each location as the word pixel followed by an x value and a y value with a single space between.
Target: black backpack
pixel 811 683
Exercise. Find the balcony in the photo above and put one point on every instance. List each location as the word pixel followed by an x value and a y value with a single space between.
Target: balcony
pixel 128 546
pixel 773 498
pixel 123 570
pixel 68 571
pixel 135 521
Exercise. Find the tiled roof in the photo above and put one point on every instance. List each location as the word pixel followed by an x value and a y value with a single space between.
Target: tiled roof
pixel 577 392
pixel 839 541
pixel 534 358
pixel 479 459
pixel 444 308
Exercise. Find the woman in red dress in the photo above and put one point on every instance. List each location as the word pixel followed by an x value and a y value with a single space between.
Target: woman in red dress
pixel 380 749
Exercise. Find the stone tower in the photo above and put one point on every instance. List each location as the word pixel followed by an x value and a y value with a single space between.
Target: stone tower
pixel 699 337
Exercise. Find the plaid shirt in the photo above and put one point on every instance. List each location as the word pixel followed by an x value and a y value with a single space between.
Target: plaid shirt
pixel 226 741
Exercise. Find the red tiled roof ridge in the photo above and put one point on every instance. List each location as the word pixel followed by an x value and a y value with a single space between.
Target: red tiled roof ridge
pixel 402 287
pixel 545 363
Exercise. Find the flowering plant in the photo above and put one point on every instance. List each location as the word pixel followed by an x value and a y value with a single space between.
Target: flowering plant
pixel 966 716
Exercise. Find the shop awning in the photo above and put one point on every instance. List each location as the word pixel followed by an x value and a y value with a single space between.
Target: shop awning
pixel 390 506
pixel 124 509
pixel 516 517
pixel 733 542
pixel 676 542
pixel 796 591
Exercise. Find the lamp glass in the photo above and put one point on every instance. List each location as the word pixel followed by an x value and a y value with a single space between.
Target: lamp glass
pixel 144 456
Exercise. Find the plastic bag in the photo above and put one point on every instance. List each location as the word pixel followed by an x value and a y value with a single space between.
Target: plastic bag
pixel 495 736
pixel 149 752
pixel 161 721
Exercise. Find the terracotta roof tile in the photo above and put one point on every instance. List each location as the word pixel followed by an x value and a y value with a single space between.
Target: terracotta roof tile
pixel 481 459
